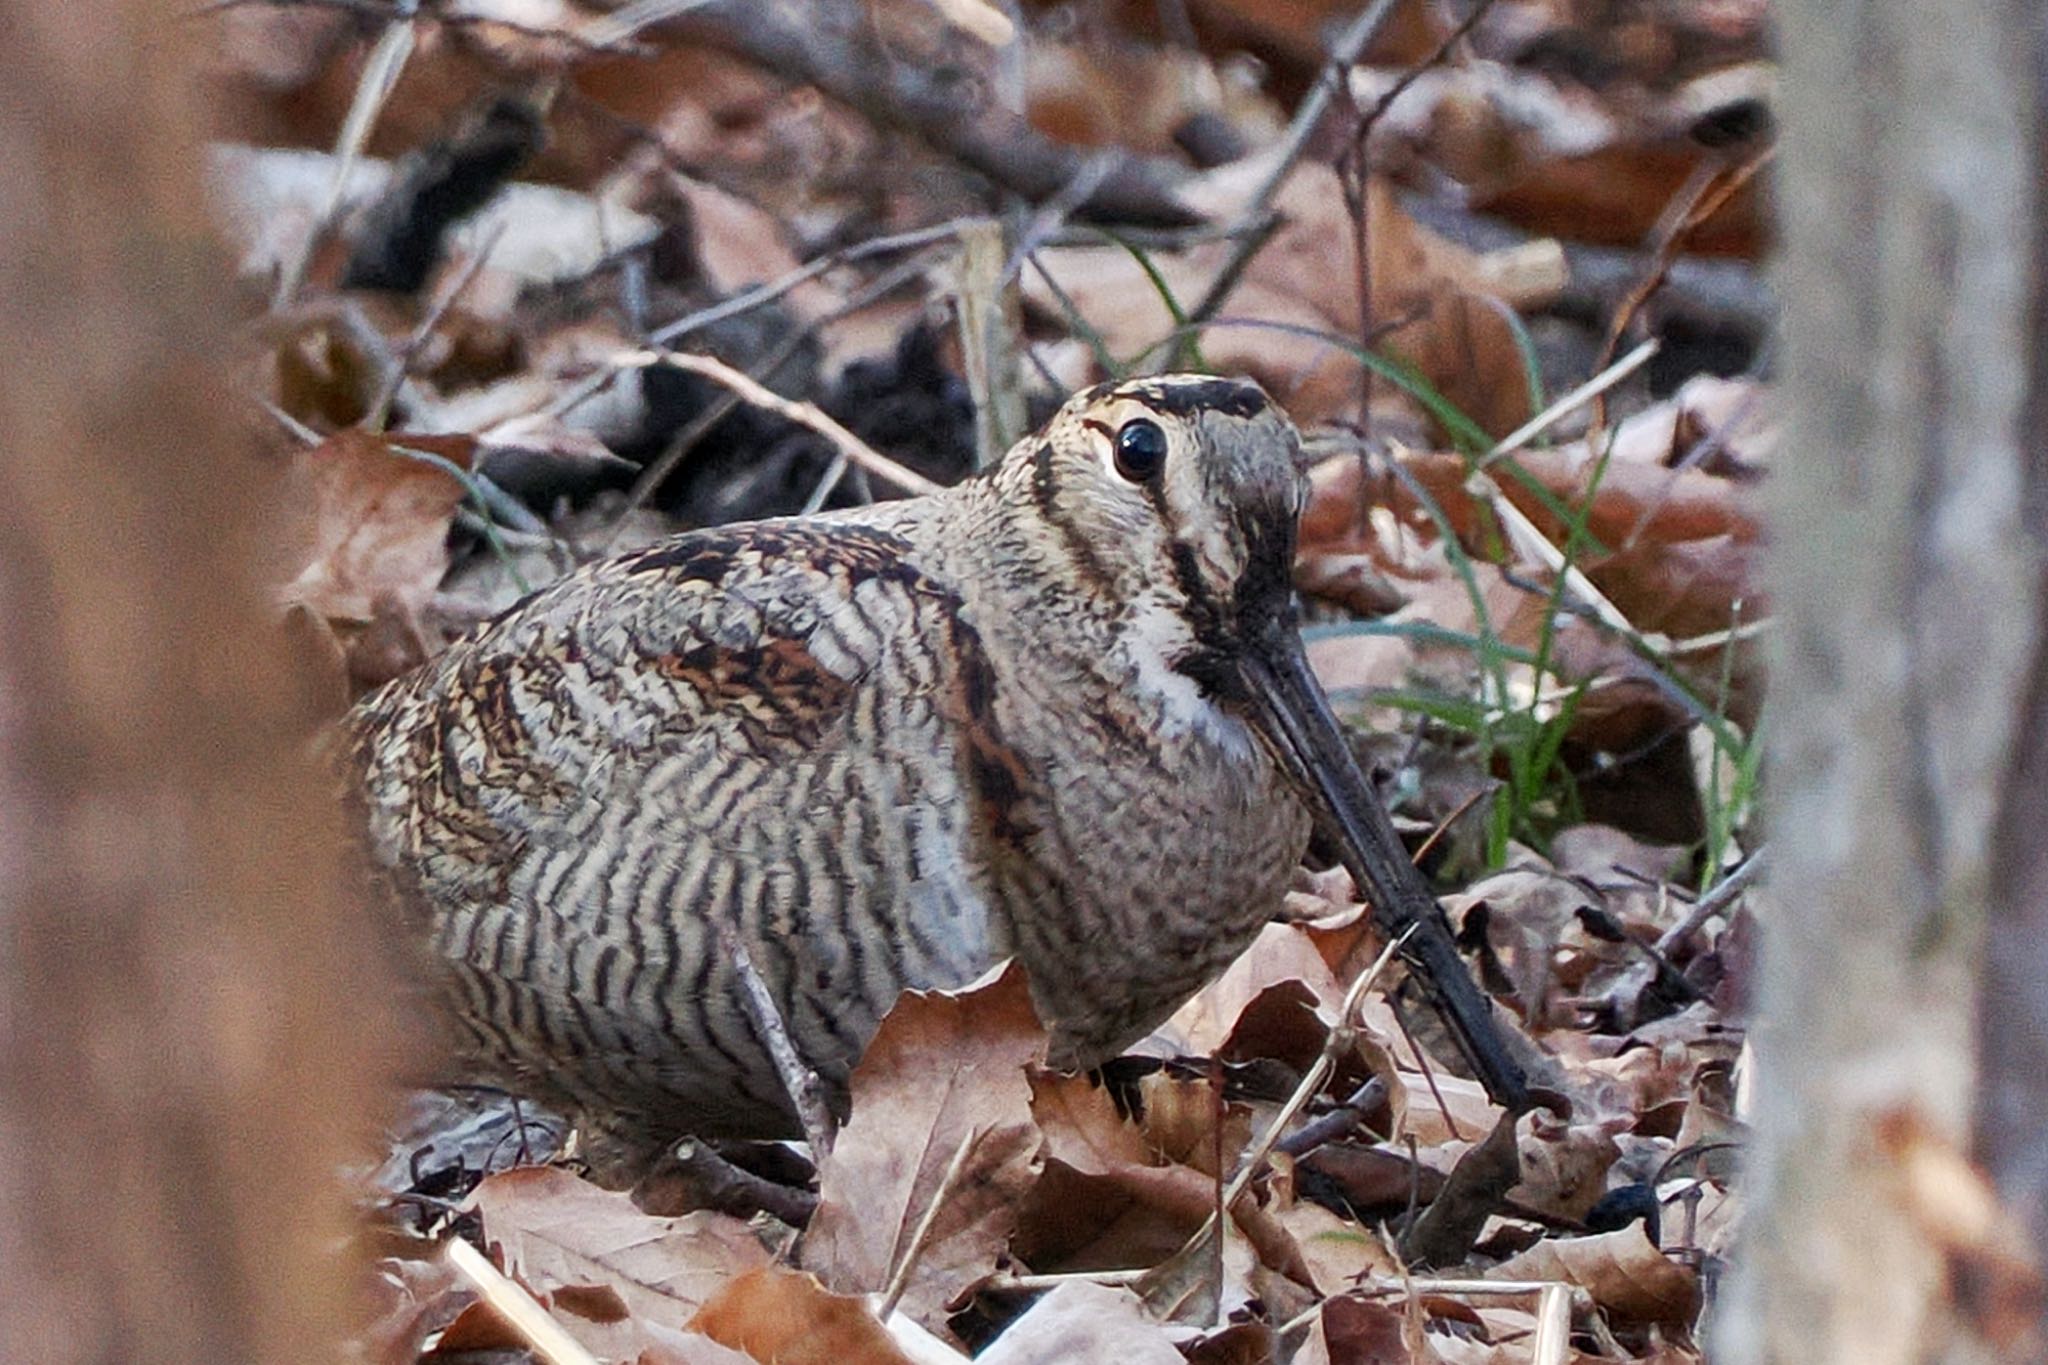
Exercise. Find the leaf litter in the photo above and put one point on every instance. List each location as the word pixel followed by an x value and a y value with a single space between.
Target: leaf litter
pixel 1578 760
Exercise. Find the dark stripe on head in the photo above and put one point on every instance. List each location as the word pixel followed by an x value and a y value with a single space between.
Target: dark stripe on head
pixel 1045 495
pixel 1210 665
pixel 1205 613
pixel 1232 397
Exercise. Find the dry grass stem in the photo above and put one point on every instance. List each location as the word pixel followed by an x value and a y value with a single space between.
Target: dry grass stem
pixel 1570 403
pixel 899 1278
pixel 1031 1284
pixel 1553 1344
pixel 380 77
pixel 547 1337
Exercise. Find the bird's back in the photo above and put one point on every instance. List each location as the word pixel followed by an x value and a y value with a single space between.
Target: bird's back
pixel 761 727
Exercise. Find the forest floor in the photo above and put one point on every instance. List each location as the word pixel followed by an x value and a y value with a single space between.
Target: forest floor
pixel 528 282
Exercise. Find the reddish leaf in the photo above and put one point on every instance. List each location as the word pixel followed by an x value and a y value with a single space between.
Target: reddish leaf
pixel 789 1318
pixel 377 527
pixel 941 1128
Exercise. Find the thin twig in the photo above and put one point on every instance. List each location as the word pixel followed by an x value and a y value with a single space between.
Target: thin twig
pixel 1452 1288
pixel 803 414
pixel 1051 216
pixel 401 367
pixel 292 426
pixel 1341 1036
pixel 762 294
pixel 659 469
pixel 899 1278
pixel 849 63
pixel 1150 239
pixel 1221 1210
pixel 1032 1284
pixel 1256 220
pixel 1353 175
pixel 1443 826
pixel 1224 282
pixel 546 1336
pixel 1344 54
pixel 712 1182
pixel 806 1091
pixel 1714 902
pixel 1708 198
pixel 1443 1107
pixel 1337 1123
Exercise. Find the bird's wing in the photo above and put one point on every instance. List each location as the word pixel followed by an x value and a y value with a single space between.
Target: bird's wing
pixel 726 731
pixel 742 647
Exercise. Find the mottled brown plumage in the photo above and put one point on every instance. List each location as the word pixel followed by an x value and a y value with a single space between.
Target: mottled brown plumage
pixel 888 748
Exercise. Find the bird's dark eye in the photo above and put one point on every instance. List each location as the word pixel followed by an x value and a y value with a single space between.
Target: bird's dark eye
pixel 1140 449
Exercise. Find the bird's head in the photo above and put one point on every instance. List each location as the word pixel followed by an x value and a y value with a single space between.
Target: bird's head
pixel 1168 505
pixel 1172 501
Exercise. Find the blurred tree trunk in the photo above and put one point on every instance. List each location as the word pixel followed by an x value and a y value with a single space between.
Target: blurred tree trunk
pixel 1904 1020
pixel 177 1078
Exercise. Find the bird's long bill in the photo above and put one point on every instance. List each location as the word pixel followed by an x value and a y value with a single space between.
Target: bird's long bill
pixel 1291 709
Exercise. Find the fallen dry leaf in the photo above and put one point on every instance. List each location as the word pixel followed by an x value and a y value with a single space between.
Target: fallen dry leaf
pixel 1201 1284
pixel 1083 1322
pixel 788 1318
pixel 1108 1201
pixel 1435 292
pixel 1565 1165
pixel 1138 96
pixel 1110 1215
pixel 1242 1343
pixel 1604 856
pixel 691 1348
pixel 1184 1120
pixel 556 1232
pixel 1354 1332
pixel 376 526
pixel 940 1150
pixel 1531 919
pixel 1338 1252
pixel 1444 1233
pixel 1624 1272
pixel 1282 955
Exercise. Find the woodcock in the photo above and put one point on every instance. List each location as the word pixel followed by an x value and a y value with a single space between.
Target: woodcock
pixel 1059 713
